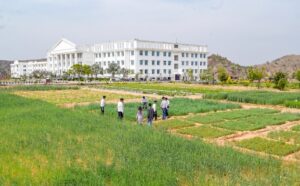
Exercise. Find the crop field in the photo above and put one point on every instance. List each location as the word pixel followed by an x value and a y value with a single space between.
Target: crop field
pixel 44 144
pixel 289 99
pixel 60 97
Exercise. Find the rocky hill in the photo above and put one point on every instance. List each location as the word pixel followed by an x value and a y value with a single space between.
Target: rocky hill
pixel 235 70
pixel 5 68
pixel 287 64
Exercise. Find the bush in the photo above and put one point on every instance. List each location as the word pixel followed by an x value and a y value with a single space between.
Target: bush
pixel 280 80
pixel 282 83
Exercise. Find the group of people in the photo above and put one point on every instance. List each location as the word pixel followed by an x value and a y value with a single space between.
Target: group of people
pixel 150 108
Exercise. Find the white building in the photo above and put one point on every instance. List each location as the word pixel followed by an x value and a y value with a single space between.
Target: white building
pixel 26 67
pixel 148 59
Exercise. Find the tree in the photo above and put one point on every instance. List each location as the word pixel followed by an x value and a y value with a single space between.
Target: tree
pixel 77 69
pixel 190 74
pixel 256 74
pixel 39 74
pixel 124 72
pixel 113 68
pixel 206 75
pixel 297 75
pixel 86 69
pixel 222 74
pixel 97 69
pixel 280 80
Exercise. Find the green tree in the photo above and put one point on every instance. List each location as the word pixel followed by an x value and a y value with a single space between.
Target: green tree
pixel 97 69
pixel 206 75
pixel 256 74
pixel 86 69
pixel 222 74
pixel 77 69
pixel 113 68
pixel 124 72
pixel 297 76
pixel 190 74
pixel 280 80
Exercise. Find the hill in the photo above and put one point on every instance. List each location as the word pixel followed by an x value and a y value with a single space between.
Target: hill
pixel 5 68
pixel 287 64
pixel 235 70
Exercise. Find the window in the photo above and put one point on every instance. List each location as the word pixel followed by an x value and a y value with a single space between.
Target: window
pixel 132 62
pixel 146 62
pixel 200 55
pixel 182 63
pixel 169 71
pixel 204 63
pixel 175 66
pixel 176 58
pixel 118 62
pixel 132 53
pixel 157 53
pixel 158 71
pixel 182 54
pixel 104 63
pixel 153 71
pixel 165 71
pixel 141 71
pixel 186 63
pixel 141 52
pixel 122 62
pixel 122 53
pixel 153 62
pixel 192 55
pixel 165 62
pixel 104 54
pixel 141 62
pixel 200 63
pixel 153 53
pixel 169 62
pixel 146 71
pixel 204 55
pixel 165 54
pixel 158 62
pixel 169 54
pixel 192 63
pixel 118 53
pixel 187 54
pixel 196 63
pixel 112 54
pixel 146 53
pixel 196 70
pixel 176 46
pixel 96 55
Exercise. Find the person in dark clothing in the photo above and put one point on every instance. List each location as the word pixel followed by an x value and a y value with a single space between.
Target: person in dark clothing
pixel 154 106
pixel 150 115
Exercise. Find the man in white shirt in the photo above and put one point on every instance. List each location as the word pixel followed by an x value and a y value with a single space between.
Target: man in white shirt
pixel 164 106
pixel 120 108
pixel 102 104
pixel 155 109
pixel 144 102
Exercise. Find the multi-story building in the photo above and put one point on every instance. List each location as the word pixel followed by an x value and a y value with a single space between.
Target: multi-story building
pixel 147 59
pixel 26 67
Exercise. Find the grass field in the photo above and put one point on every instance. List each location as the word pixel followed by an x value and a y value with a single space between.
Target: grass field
pixel 174 124
pixel 289 99
pixel 71 96
pixel 178 107
pixel 204 132
pixel 268 146
pixel 164 88
pixel 286 136
pixel 42 144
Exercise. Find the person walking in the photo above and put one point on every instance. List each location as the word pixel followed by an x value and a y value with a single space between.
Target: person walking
pixel 139 116
pixel 102 104
pixel 150 115
pixel 120 108
pixel 163 106
pixel 155 109
pixel 168 106
pixel 144 102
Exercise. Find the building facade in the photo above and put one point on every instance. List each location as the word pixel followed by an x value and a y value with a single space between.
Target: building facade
pixel 26 67
pixel 145 59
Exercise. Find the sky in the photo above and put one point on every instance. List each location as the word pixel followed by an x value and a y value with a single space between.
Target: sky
pixel 245 31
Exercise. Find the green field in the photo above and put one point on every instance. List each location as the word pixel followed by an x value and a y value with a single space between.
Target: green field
pixel 43 144
pixel 204 132
pixel 289 99
pixel 286 136
pixel 268 146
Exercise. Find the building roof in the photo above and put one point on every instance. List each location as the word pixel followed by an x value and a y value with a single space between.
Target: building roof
pixel 31 60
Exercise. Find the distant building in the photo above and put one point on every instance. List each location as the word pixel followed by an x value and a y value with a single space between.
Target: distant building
pixel 26 67
pixel 148 59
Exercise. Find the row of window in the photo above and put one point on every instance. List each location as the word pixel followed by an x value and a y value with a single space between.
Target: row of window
pixel 193 55
pixel 186 63
pixel 111 54
pixel 194 70
pixel 154 53
pixel 145 62
pixel 153 71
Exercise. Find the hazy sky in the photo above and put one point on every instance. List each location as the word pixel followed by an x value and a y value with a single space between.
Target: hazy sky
pixel 245 31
